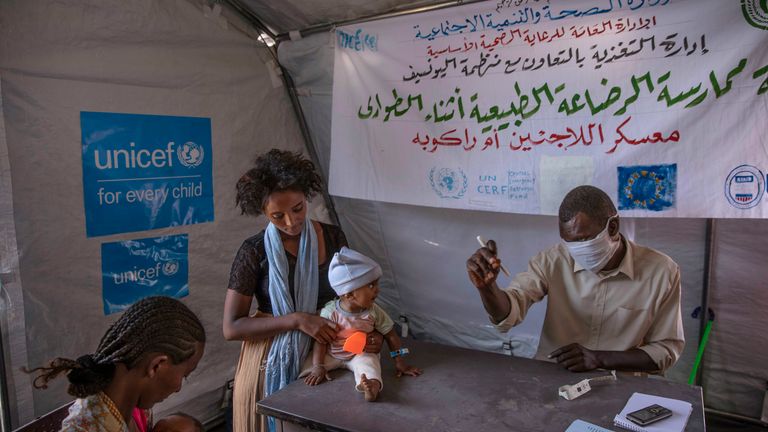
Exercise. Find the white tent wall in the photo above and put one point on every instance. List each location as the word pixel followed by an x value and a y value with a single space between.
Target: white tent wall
pixel 138 56
pixel 424 250
pixel 174 58
pixel 736 363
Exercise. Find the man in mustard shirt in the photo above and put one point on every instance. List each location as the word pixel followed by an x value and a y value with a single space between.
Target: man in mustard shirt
pixel 612 304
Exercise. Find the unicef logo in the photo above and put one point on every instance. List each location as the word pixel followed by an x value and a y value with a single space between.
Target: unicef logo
pixel 756 13
pixel 190 154
pixel 744 186
pixel 170 268
pixel 448 183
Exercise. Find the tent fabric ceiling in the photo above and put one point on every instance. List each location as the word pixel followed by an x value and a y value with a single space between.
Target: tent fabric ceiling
pixel 289 15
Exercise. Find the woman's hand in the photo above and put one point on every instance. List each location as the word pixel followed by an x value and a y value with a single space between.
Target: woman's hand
pixel 317 327
pixel 373 342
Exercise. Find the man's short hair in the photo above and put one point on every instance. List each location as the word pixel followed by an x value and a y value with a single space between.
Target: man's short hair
pixel 588 200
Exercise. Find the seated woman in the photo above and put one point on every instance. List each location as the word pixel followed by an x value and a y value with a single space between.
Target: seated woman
pixel 141 360
pixel 285 269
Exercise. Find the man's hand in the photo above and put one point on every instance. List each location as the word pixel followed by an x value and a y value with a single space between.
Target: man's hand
pixel 576 358
pixel 373 342
pixel 317 376
pixel 483 266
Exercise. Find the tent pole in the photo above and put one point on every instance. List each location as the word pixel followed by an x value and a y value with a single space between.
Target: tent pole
pixel 308 142
pixel 250 16
pixel 295 103
pixel 319 28
pixel 706 284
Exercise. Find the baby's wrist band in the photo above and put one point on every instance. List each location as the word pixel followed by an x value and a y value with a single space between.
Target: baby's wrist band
pixel 399 353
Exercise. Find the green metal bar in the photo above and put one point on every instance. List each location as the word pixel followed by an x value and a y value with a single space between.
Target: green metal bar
pixel 700 354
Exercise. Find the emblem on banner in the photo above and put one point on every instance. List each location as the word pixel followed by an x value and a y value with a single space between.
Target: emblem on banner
pixel 448 183
pixel 170 267
pixel 756 13
pixel 647 187
pixel 744 186
pixel 190 154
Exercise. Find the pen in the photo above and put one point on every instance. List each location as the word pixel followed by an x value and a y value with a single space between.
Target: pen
pixel 483 243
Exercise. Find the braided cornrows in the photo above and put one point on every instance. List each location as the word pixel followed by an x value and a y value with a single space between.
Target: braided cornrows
pixel 277 170
pixel 152 325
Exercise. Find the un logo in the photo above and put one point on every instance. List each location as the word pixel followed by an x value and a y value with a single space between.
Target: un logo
pixel 448 183
pixel 170 267
pixel 190 154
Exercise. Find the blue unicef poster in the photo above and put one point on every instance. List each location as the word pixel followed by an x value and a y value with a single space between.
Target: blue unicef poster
pixel 143 172
pixel 135 269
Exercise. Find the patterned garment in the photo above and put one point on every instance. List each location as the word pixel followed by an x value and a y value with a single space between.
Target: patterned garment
pixel 95 413
pixel 348 323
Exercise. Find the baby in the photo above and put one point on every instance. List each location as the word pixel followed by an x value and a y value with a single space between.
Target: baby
pixel 178 422
pixel 355 278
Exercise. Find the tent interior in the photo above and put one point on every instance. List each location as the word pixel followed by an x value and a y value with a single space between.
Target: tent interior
pixel 262 72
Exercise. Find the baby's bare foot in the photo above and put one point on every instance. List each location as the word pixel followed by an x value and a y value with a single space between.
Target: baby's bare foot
pixel 371 388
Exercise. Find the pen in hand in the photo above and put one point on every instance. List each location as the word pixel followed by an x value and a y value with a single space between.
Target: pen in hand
pixel 483 243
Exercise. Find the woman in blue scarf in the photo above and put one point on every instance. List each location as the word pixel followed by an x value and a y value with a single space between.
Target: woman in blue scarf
pixel 285 269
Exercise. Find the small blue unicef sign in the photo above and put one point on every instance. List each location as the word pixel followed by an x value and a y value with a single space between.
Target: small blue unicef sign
pixel 143 172
pixel 135 269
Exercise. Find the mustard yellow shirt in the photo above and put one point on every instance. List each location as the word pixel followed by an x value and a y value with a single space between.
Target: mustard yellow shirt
pixel 636 305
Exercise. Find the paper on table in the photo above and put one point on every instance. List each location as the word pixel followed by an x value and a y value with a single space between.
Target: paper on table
pixel 582 426
pixel 681 410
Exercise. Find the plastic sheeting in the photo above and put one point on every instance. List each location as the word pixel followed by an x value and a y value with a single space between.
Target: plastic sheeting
pixel 139 56
pixel 735 376
pixel 424 252
pixel 289 15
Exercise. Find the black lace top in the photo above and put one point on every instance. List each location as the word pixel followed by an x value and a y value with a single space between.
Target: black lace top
pixel 250 270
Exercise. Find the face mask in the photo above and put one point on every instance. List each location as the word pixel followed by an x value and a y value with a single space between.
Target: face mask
pixel 594 254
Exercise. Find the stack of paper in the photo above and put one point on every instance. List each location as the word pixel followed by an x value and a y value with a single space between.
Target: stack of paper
pixel 582 426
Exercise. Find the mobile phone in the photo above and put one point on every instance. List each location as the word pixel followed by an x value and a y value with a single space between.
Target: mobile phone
pixel 649 414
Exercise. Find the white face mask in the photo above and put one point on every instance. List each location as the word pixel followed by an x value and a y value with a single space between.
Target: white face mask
pixel 594 254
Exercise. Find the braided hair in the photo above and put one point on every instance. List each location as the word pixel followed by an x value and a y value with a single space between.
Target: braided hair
pixel 274 171
pixel 154 324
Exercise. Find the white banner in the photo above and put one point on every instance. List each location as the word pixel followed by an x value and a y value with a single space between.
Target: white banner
pixel 505 106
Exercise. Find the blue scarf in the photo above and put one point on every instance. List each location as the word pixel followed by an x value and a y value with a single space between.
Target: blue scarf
pixel 289 349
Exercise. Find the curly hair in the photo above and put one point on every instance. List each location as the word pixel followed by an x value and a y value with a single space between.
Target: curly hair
pixel 275 171
pixel 588 200
pixel 152 325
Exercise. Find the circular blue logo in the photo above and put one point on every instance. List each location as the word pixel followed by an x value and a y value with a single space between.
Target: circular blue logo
pixel 190 154
pixel 744 186
pixel 448 183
